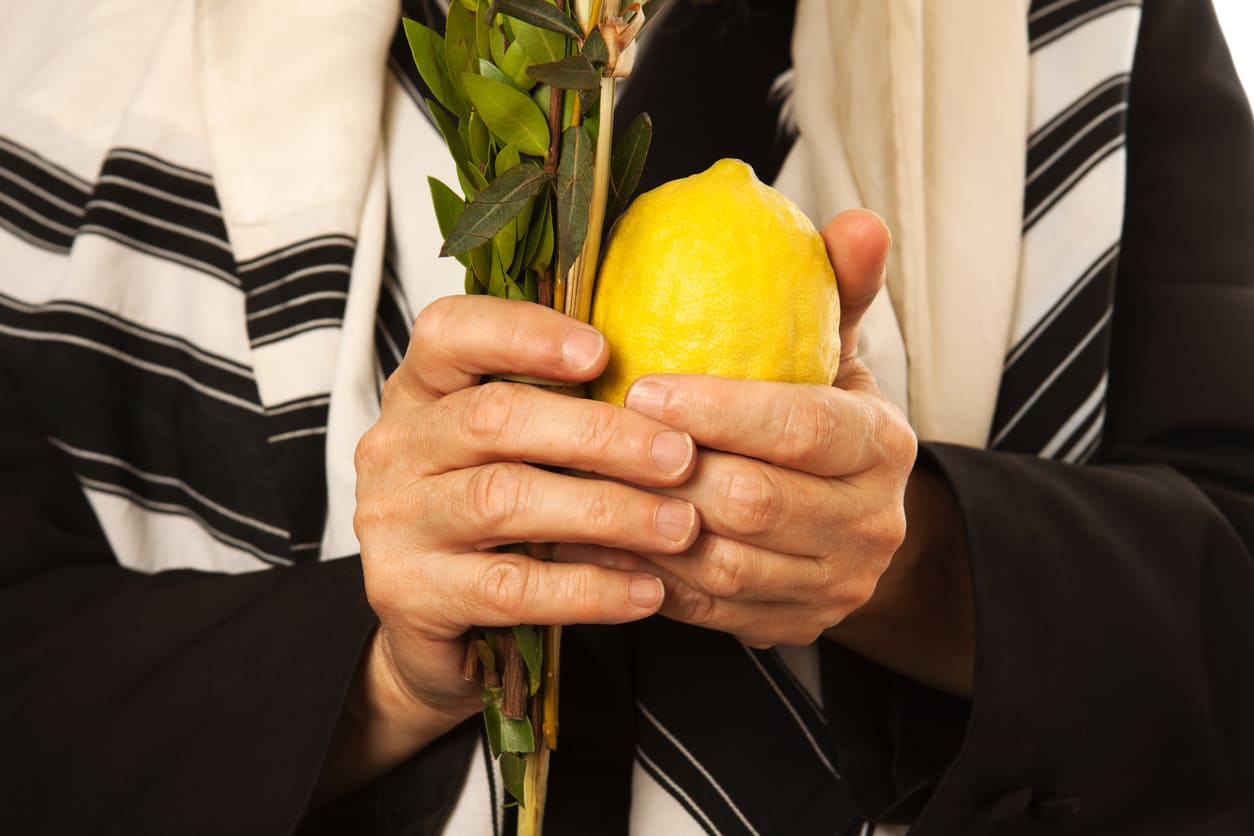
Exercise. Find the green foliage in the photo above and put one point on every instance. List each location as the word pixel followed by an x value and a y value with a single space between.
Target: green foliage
pixel 627 162
pixel 573 73
pixel 541 13
pixel 531 648
pixel 522 217
pixel 514 774
pixel 574 194
pixel 509 113
pixel 494 207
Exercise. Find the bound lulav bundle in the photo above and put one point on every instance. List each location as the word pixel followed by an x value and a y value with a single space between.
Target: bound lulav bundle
pixel 524 97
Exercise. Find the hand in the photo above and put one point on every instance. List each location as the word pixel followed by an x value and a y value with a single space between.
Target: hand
pixel 448 473
pixel 800 487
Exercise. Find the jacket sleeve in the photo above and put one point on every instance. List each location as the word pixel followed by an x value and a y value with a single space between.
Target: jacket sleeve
pixel 180 702
pixel 1114 602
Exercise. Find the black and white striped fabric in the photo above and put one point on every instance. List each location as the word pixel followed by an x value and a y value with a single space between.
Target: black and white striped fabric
pixel 1052 396
pixel 191 387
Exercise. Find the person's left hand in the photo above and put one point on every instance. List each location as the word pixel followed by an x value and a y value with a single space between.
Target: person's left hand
pixel 799 487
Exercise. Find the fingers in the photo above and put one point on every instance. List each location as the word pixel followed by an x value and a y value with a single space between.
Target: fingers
pixel 494 589
pixel 857 244
pixel 790 512
pixel 506 421
pixel 755 621
pixel 821 430
pixel 508 502
pixel 457 339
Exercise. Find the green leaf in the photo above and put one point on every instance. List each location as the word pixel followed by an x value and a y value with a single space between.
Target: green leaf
pixel 498 44
pixel 573 73
pixel 541 95
pixel 471 284
pixel 627 162
pixel 483 33
pixel 513 774
pixel 497 280
pixel 506 240
pixel 460 53
pixel 492 720
pixel 481 264
pixel 478 141
pixel 527 638
pixel 541 13
pixel 592 124
pixel 494 207
pixel 513 290
pixel 540 45
pixel 574 194
pixel 504 734
pixel 541 257
pixel 506 159
pixel 448 208
pixel 468 174
pixel 588 101
pixel 427 47
pixel 489 70
pixel 514 64
pixel 509 113
pixel 517 736
pixel 594 48
pixel 540 227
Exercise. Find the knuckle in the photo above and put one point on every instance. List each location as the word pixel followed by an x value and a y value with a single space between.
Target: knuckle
pixel 431 322
pixel 750 500
pixel 489 410
pixel 692 606
pixel 596 429
pixel 884 530
pixel 603 509
pixel 897 443
pixel 722 571
pixel 497 492
pixel 370 451
pixel 809 426
pixel 504 585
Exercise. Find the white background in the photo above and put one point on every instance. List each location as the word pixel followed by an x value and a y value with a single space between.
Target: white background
pixel 1237 19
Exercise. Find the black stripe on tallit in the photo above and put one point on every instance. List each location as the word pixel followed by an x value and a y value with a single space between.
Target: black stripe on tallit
pixel 1053 181
pixel 297 288
pixel 82 322
pixel 703 688
pixel 40 202
pixel 393 322
pixel 163 209
pixel 1058 333
pixel 139 431
pixel 1058 134
pixel 1059 399
pixel 1049 20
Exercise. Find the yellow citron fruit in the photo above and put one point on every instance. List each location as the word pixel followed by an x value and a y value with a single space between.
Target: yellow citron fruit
pixel 719 274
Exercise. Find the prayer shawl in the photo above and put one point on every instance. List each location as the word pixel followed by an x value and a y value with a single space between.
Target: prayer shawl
pixel 210 258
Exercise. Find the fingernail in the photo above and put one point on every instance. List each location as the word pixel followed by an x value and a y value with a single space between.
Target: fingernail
pixel 581 347
pixel 674 520
pixel 645 592
pixel 671 451
pixel 647 398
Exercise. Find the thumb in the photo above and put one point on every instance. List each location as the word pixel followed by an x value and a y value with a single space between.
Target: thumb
pixel 857 244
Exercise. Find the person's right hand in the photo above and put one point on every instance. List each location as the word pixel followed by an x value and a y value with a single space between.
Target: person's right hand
pixel 448 472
